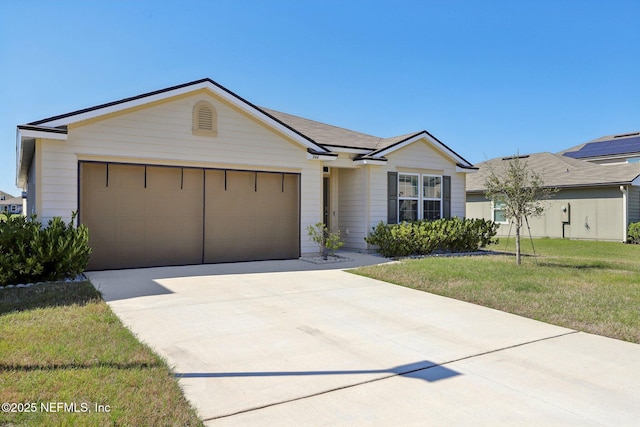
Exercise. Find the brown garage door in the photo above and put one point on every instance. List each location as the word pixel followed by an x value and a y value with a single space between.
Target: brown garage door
pixel 141 216
pixel 251 216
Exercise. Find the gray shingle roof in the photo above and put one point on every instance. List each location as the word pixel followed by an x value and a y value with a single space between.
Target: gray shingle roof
pixel 561 171
pixel 325 134
pixel 11 201
pixel 335 136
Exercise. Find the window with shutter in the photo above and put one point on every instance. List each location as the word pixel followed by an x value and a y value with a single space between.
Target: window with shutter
pixel 413 196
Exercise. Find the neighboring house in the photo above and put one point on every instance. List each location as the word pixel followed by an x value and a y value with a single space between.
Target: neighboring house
pixel 623 148
pixel 593 201
pixel 243 182
pixel 10 204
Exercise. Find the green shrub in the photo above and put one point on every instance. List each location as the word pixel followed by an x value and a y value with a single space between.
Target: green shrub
pixel 428 237
pixel 633 233
pixel 329 242
pixel 31 253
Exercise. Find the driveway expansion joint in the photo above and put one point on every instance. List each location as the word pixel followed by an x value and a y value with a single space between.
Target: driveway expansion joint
pixel 395 374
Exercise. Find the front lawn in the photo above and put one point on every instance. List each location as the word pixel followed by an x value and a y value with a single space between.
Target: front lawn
pixel 588 286
pixel 66 359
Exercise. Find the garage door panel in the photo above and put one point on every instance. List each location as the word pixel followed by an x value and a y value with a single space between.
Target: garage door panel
pixel 240 182
pixel 163 179
pixel 129 256
pixel 168 203
pixel 125 177
pixel 252 218
pixel 156 215
pixel 129 229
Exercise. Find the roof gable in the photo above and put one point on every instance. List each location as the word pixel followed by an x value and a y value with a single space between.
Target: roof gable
pixel 389 145
pixel 159 95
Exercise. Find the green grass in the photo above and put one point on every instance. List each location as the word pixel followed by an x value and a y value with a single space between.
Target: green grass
pixel 62 343
pixel 583 285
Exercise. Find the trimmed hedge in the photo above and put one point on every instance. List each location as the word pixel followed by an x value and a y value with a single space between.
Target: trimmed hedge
pixel 32 253
pixel 633 233
pixel 428 237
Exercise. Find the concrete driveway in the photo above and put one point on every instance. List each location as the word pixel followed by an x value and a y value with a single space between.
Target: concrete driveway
pixel 293 343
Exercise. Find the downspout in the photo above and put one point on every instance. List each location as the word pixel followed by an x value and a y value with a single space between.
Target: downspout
pixel 624 213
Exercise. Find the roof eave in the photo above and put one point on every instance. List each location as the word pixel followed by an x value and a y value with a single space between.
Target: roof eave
pixel 366 160
pixel 635 182
pixel 319 155
pixel 459 160
pixel 26 136
pixel 466 169
pixel 159 95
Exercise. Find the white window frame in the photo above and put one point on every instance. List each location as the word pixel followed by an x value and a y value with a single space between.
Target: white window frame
pixel 421 198
pixel 433 199
pixel 416 198
pixel 493 214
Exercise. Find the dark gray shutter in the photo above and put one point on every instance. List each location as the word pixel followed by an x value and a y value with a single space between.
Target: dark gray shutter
pixel 392 197
pixel 446 197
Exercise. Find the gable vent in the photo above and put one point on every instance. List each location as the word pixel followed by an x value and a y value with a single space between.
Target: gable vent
pixel 204 119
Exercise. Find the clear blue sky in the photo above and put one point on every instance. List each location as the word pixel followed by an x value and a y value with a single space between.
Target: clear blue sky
pixel 488 78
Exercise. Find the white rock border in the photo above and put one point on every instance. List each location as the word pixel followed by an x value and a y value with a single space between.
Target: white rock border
pixel 331 259
pixel 79 278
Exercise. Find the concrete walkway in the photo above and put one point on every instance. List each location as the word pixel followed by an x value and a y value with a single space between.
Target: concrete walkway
pixel 294 343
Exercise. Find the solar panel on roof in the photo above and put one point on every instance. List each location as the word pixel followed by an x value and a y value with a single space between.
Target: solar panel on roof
pixel 607 148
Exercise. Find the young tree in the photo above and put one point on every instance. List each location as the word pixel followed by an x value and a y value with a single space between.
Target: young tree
pixel 519 191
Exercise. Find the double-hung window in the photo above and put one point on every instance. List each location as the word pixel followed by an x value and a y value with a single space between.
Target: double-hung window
pixel 498 212
pixel 408 196
pixel 419 197
pixel 431 197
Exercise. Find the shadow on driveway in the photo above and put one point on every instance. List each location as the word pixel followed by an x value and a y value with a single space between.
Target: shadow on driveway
pixel 424 370
pixel 141 282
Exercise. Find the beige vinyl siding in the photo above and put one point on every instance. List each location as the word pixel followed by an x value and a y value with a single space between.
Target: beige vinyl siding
pixel 162 134
pixel 353 207
pixel 311 204
pixel 595 214
pixel 377 196
pixel 31 188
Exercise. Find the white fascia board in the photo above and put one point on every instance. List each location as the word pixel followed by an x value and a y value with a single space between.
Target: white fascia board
pixel 337 149
pixel 370 162
pixel 20 180
pixel 423 135
pixel 323 157
pixel 465 170
pixel 42 134
pixel 125 105
pixel 234 100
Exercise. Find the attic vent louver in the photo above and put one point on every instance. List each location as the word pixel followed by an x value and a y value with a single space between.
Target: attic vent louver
pixel 204 119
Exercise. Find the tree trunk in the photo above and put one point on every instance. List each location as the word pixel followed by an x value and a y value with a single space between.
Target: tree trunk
pixel 518 225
